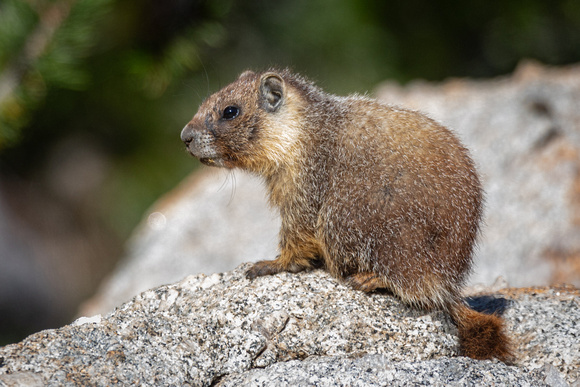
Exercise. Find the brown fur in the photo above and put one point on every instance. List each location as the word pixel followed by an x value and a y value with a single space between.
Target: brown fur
pixel 381 196
pixel 481 336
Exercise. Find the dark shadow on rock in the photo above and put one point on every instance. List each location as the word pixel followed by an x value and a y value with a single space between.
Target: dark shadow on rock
pixel 489 304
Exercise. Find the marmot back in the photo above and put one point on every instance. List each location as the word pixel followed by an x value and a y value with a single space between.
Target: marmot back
pixel 380 196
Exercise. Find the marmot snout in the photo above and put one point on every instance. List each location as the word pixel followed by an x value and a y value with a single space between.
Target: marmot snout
pixel 381 196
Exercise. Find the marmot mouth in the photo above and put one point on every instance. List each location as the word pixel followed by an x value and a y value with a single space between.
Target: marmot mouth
pixel 211 161
pixel 216 161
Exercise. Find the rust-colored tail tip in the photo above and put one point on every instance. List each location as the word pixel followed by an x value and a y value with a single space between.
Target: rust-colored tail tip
pixel 482 336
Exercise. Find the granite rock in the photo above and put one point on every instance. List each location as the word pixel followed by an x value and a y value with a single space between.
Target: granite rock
pixel 306 328
pixel 378 370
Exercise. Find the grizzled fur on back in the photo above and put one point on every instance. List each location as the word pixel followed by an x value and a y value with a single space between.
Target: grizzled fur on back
pixel 380 196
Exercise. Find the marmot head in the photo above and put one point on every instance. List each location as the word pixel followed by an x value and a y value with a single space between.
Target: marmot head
pixel 249 124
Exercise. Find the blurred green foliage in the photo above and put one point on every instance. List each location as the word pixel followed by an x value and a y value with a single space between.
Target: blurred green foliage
pixel 126 75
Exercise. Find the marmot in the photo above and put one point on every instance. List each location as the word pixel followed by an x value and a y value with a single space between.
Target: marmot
pixel 380 196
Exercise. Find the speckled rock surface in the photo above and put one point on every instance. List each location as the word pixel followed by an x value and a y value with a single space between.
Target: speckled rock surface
pixel 378 370
pixel 302 328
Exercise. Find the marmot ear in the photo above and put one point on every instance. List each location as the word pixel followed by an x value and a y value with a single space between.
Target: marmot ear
pixel 271 91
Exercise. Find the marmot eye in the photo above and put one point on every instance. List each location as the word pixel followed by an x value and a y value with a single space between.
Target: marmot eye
pixel 230 112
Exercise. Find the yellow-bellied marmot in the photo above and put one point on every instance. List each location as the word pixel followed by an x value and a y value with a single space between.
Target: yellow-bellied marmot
pixel 381 196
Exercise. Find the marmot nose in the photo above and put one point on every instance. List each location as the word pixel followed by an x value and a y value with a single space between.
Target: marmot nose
pixel 187 135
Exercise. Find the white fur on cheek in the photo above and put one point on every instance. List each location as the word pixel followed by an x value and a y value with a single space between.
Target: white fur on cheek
pixel 282 139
